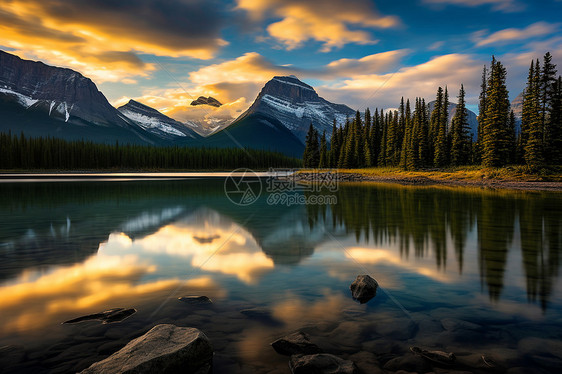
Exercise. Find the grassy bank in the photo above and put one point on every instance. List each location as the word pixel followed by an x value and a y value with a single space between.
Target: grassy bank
pixel 467 173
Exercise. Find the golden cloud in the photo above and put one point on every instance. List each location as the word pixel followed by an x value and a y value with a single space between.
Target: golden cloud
pixel 102 40
pixel 516 35
pixel 385 90
pixel 325 21
pixel 236 83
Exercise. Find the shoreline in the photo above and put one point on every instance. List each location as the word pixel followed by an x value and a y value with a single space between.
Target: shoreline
pixel 345 176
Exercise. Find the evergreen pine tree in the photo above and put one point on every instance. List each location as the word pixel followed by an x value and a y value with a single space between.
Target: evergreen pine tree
pixel 359 141
pixel 534 145
pixel 548 87
pixel 424 157
pixel 495 144
pixel 434 126
pixel 334 146
pixel 311 156
pixel 323 160
pixel 460 138
pixel 529 105
pixel 441 149
pixel 555 131
pixel 481 116
pixel 383 141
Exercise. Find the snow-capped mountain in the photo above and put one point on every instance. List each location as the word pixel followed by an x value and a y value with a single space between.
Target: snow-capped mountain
pixel 43 100
pixel 296 105
pixel 61 93
pixel 155 122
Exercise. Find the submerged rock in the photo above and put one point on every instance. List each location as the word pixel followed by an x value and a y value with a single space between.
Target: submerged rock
pixel 296 343
pixel 321 363
pixel 364 288
pixel 164 349
pixel 438 357
pixel 195 300
pixel 108 316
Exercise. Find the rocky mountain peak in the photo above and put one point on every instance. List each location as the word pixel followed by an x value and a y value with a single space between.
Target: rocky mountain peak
pixel 289 88
pixel 202 100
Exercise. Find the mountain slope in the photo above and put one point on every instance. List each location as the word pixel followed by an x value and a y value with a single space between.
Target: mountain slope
pixel 296 105
pixel 258 131
pixel 155 122
pixel 42 100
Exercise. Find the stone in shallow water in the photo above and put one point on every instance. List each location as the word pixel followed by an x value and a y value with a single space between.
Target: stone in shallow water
pixel 363 288
pixel 439 357
pixel 164 349
pixel 321 363
pixel 366 362
pixel 108 316
pixel 195 300
pixel 296 343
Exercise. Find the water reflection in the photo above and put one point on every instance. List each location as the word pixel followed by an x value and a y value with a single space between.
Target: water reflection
pixel 79 248
pixel 428 221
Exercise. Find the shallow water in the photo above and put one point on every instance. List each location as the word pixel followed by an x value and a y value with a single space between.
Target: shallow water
pixel 469 271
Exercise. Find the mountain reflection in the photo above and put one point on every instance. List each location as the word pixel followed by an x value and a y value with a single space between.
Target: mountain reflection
pixel 429 220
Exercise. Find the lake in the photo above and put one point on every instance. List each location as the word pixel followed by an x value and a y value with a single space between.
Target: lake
pixel 469 271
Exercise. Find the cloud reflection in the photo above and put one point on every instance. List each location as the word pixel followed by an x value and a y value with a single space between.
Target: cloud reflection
pixel 37 299
pixel 229 250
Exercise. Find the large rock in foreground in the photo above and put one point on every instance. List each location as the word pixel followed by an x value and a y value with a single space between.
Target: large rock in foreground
pixel 322 363
pixel 364 288
pixel 164 349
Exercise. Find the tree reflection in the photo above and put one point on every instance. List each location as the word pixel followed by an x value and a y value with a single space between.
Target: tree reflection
pixel 429 220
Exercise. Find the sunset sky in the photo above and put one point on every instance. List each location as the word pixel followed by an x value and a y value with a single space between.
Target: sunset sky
pixel 359 52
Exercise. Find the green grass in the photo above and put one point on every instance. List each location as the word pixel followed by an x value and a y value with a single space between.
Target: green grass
pixel 468 173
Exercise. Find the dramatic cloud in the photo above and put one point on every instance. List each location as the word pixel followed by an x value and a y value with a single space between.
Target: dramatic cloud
pixel 499 5
pixel 103 39
pixel 385 90
pixel 512 35
pixel 236 83
pixel 329 22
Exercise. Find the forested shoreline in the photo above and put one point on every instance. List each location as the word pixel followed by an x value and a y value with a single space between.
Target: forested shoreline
pixel 21 152
pixel 415 138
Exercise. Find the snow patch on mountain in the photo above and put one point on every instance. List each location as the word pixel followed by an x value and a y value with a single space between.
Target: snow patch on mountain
pixel 25 101
pixel 148 123
pixel 292 83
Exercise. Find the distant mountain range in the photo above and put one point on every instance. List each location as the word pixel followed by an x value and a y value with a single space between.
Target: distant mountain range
pixel 155 122
pixel 43 100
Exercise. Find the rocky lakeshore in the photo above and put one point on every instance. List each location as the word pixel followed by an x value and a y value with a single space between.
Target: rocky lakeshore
pixel 371 338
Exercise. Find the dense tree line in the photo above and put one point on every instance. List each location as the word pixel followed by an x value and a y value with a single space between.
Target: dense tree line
pixel 414 138
pixel 20 152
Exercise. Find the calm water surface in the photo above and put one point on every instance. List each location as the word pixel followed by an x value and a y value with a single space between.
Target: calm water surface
pixel 470 271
